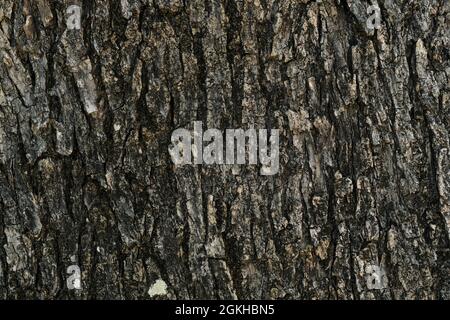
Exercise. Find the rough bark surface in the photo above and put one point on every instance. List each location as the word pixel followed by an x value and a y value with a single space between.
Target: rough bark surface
pixel 86 118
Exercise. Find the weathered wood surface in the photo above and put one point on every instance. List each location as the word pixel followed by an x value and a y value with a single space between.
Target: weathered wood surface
pixel 86 179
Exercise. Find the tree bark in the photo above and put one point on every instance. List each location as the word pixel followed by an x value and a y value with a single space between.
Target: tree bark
pixel 86 179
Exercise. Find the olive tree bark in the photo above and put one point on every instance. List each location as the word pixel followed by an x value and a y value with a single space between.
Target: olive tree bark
pixel 86 179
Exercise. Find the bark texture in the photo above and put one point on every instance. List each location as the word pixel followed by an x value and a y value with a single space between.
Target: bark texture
pixel 86 178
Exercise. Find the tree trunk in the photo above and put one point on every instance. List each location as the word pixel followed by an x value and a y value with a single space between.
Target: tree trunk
pixel 360 207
